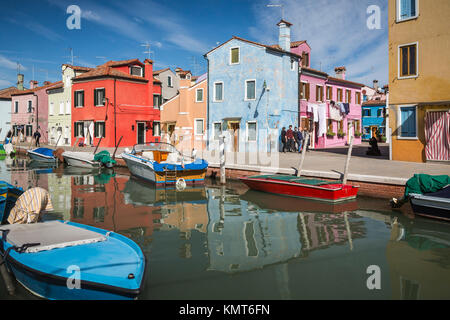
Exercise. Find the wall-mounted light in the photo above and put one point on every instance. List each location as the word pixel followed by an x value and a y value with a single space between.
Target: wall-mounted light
pixel 132 127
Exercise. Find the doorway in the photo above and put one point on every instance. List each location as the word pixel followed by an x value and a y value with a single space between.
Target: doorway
pixel 374 131
pixel 141 133
pixel 350 130
pixel 233 127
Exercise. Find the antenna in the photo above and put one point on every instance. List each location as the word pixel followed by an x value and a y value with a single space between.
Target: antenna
pixel 71 55
pixel 147 46
pixel 46 71
pixel 18 68
pixel 279 6
pixel 101 58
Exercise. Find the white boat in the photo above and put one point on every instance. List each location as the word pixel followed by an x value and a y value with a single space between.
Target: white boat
pixel 162 163
pixel 81 159
pixel 42 155
pixel 432 205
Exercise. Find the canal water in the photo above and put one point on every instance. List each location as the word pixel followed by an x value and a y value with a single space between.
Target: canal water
pixel 217 242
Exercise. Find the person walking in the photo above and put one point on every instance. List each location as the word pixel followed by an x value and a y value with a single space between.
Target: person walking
pixel 37 136
pixel 283 138
pixel 299 140
pixel 290 139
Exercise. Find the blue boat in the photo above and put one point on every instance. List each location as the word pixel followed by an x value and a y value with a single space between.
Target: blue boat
pixel 63 260
pixel 8 198
pixel 42 155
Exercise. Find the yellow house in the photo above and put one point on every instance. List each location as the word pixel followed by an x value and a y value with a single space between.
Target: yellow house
pixel 419 80
pixel 183 117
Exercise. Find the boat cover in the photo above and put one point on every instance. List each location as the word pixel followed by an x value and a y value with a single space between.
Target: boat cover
pixel 49 235
pixel 313 182
pixel 45 151
pixel 199 164
pixel 104 157
pixel 425 183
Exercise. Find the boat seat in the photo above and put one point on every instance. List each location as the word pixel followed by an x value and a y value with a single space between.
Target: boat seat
pixel 172 158
pixel 50 235
pixel 148 155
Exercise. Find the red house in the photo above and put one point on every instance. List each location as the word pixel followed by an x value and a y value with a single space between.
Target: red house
pixel 117 99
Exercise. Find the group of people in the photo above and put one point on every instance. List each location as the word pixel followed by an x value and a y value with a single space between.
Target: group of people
pixel 36 137
pixel 292 140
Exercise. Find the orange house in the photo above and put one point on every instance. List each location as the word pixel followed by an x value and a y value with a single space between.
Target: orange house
pixel 183 118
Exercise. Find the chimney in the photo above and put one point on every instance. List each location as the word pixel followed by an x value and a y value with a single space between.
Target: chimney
pixel 284 36
pixel 33 84
pixel 46 83
pixel 340 72
pixel 20 82
pixel 375 85
pixel 148 74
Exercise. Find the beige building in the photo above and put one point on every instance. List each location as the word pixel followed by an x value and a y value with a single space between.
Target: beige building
pixel 59 106
pixel 419 80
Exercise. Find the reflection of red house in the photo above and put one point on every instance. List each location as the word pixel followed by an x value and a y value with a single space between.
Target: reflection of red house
pixel 118 98
pixel 103 206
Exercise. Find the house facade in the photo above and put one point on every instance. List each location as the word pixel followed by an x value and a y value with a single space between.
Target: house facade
pixel 183 118
pixel 419 79
pixel 170 83
pixel 5 110
pixel 59 106
pixel 252 92
pixel 29 111
pixel 119 99
pixel 373 119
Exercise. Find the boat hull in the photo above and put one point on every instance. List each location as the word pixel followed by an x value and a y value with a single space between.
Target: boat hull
pixel 40 158
pixel 331 192
pixel 431 208
pixel 75 161
pixel 144 169
pixel 55 281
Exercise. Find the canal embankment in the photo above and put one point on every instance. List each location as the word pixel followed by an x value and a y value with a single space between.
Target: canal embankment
pixel 376 177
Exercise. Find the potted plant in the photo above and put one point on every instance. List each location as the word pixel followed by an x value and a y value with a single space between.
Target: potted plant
pixel 358 134
pixel 330 134
pixel 341 134
pixel 383 139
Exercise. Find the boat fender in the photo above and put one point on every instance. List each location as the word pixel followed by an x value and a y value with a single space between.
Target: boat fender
pixel 180 184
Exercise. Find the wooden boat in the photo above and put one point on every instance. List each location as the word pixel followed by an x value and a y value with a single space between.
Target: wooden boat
pixel 42 155
pixel 161 163
pixel 8 198
pixel 67 260
pixel 277 203
pixel 313 189
pixel 432 205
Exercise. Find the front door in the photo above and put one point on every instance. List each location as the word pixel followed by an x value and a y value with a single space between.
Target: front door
pixel 437 135
pixel 374 132
pixel 141 132
pixel 234 130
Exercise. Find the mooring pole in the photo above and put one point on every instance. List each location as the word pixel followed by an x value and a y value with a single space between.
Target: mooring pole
pixel 299 170
pixel 347 162
pixel 223 179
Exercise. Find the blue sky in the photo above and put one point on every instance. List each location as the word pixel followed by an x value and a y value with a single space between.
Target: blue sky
pixel 34 33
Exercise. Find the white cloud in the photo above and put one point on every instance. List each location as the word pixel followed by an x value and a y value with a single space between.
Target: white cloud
pixel 5 83
pixel 335 30
pixel 9 64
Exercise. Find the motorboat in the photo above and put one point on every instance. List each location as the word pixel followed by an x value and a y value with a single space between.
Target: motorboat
pixel 432 205
pixel 42 155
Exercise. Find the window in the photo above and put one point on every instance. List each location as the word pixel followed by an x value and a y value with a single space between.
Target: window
pixel 358 97
pixel 67 107
pixel 16 106
pixel 61 107
pixel 366 112
pixel 136 71
pixel 99 97
pixel 339 95
pixel 156 101
pixel 99 129
pixel 79 98
pixel 330 125
pixel 319 93
pixel 251 131
pixel 304 90
pixel 408 123
pixel 348 96
pixel 28 130
pixel 380 113
pixel 169 81
pixel 217 130
pixel 30 106
pixel 51 109
pixel 78 129
pixel 218 91
pixel 305 59
pixel 156 129
pixel 199 127
pixel 199 95
pixel 408 60
pixel 329 93
pixel 407 9
pixel 250 89
pixel 234 55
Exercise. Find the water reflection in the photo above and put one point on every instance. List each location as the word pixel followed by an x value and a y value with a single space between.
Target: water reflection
pixel 218 242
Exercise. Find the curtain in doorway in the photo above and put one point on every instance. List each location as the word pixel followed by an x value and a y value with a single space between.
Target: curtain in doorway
pixel 437 135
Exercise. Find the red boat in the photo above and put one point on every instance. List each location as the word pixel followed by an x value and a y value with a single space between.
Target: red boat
pixel 314 189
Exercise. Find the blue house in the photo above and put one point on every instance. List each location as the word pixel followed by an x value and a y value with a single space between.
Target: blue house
pixel 373 119
pixel 252 92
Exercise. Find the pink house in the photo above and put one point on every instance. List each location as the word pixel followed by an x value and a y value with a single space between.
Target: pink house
pixel 29 110
pixel 317 87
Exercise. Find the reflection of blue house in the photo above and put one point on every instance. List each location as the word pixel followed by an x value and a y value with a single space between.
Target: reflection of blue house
pixel 252 92
pixel 373 120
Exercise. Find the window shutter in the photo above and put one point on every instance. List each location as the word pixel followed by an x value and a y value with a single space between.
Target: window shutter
pixel 307 91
